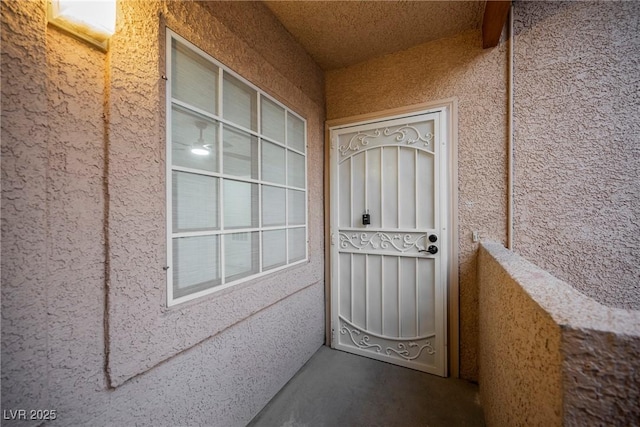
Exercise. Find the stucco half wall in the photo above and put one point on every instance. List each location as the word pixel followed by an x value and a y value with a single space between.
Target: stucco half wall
pixel 550 355
pixel 83 291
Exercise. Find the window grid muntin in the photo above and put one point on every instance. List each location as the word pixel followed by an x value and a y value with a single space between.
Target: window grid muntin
pixel 221 122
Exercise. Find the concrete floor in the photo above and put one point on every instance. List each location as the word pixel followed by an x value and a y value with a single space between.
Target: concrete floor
pixel 336 389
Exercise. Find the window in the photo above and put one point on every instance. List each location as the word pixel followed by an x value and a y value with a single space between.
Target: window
pixel 236 177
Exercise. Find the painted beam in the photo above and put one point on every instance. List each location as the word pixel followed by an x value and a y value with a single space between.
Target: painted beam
pixel 495 16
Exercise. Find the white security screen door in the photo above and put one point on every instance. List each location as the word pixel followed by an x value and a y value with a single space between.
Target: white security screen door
pixel 389 240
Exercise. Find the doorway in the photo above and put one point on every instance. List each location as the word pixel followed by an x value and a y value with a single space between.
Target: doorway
pixel 390 235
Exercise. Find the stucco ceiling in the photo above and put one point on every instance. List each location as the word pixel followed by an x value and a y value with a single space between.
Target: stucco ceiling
pixel 342 33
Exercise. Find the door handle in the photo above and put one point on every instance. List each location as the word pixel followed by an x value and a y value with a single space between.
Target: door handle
pixel 432 249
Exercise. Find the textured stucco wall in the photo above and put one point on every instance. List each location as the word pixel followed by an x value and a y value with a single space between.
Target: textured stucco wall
pixel 24 199
pixel 519 351
pixel 73 180
pixel 552 356
pixel 602 369
pixel 136 182
pixel 453 67
pixel 52 211
pixel 577 144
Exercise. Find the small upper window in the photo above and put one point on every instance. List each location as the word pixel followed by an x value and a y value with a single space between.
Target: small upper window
pixel 236 177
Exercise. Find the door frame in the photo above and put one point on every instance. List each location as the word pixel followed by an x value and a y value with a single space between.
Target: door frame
pixel 450 107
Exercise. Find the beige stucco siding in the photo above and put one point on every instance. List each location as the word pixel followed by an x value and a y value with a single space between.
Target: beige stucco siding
pixel 85 327
pixel 577 144
pixel 136 179
pixel 83 227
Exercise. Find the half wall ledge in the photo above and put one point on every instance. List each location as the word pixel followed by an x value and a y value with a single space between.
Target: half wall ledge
pixel 549 355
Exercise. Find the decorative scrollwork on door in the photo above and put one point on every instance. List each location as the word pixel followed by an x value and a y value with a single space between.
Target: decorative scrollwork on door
pixel 364 341
pixel 379 240
pixel 402 134
pixel 407 349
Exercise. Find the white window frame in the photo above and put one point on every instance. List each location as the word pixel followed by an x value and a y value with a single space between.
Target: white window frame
pixel 170 102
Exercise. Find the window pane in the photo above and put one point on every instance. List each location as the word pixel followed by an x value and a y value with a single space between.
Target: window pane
pixel 194 79
pixel 196 264
pixel 273 163
pixel 190 130
pixel 239 102
pixel 240 204
pixel 241 255
pixel 272 117
pixel 295 132
pixel 274 249
pixel 296 207
pixel 226 178
pixel 195 202
pixel 297 244
pixel 240 153
pixel 295 170
pixel 273 206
